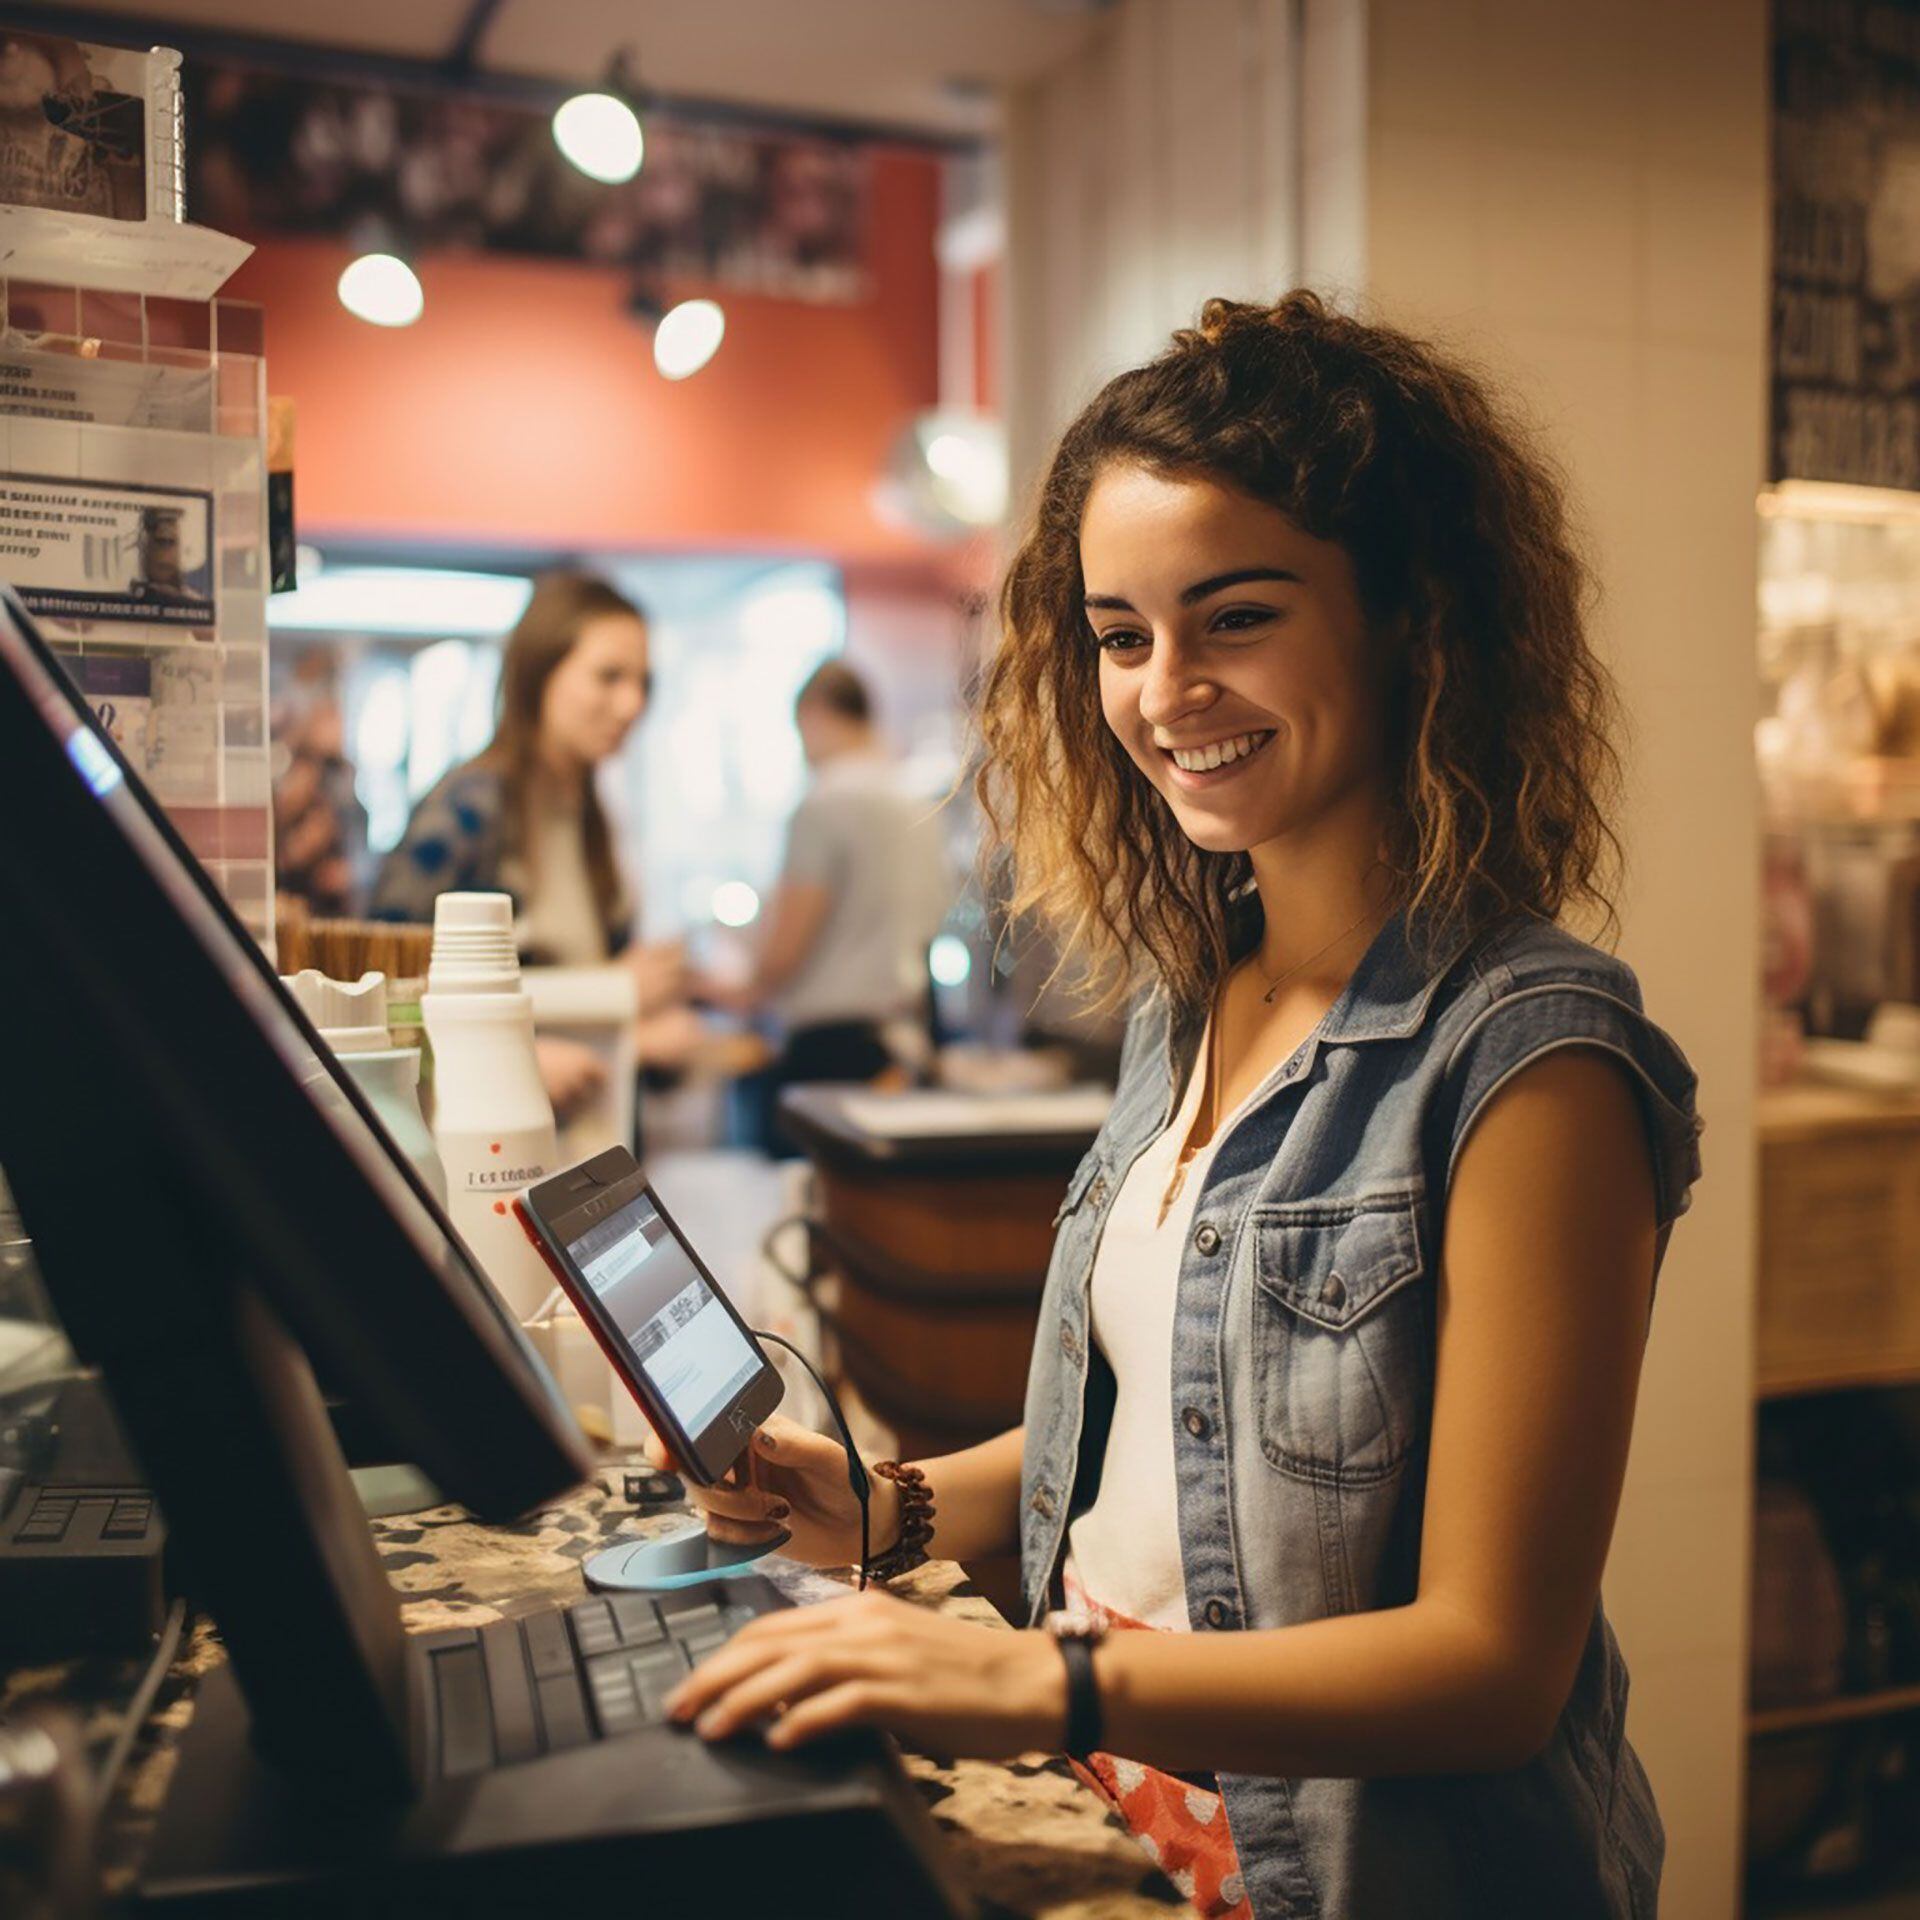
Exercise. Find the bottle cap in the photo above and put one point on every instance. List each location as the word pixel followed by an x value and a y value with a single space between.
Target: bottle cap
pixel 351 1015
pixel 473 950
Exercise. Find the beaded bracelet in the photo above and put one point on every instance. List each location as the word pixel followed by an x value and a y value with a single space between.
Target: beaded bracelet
pixel 916 1521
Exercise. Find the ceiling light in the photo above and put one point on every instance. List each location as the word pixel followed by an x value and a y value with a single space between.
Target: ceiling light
pixel 382 289
pixel 948 472
pixel 600 133
pixel 687 337
pixel 949 960
pixel 735 904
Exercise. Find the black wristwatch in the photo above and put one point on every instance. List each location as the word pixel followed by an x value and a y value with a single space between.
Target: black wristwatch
pixel 1076 1635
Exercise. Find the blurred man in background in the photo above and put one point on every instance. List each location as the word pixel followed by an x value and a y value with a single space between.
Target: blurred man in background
pixel 842 958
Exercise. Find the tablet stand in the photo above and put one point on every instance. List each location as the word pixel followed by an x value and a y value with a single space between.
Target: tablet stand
pixel 678 1559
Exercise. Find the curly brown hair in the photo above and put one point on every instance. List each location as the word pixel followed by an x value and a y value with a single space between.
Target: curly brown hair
pixel 1501 717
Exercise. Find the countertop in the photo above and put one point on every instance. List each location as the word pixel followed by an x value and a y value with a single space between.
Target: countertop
pixel 1026 1836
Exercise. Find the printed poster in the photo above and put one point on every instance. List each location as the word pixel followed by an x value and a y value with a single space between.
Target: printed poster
pixel 92 550
pixel 72 126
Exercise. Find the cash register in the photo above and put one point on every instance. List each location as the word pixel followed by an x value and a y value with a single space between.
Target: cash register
pixel 219 1216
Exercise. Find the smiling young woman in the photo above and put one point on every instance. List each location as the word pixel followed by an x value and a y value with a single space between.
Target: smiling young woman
pixel 1296 736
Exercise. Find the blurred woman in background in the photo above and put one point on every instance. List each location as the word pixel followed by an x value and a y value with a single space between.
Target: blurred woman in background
pixel 523 818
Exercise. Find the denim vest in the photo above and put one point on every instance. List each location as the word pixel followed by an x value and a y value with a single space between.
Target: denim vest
pixel 1301 1403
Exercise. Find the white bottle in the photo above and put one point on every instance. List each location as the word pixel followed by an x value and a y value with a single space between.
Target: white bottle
pixel 491 1117
pixel 352 1018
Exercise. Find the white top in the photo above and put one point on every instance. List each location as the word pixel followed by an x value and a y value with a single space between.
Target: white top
pixel 560 924
pixel 1125 1549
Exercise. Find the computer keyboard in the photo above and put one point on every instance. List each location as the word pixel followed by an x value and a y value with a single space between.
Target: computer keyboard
pixel 516 1689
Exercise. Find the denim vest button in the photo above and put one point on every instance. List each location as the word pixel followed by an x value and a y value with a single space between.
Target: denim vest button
pixel 1334 1293
pixel 1042 1503
pixel 1208 1238
pixel 1069 1344
pixel 1216 1613
pixel 1195 1423
pixel 1097 1193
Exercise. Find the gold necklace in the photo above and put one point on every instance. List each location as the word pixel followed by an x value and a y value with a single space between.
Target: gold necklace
pixel 1210 1068
pixel 1280 980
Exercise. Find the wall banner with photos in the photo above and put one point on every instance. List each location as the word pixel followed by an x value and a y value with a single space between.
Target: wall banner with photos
pixel 763 212
pixel 1846 243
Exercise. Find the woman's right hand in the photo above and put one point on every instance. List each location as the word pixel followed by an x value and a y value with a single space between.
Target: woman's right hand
pixel 793 1478
pixel 659 969
pixel 571 1072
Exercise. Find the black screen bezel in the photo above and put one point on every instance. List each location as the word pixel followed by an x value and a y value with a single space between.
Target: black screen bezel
pixel 488 1423
pixel 560 1214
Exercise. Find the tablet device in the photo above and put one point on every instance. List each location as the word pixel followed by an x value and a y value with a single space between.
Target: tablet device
pixel 659 1315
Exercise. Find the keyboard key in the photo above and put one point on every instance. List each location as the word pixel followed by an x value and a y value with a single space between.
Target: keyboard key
pixel 125 1522
pixel 624 1716
pixel 703 1642
pixel 655 1675
pixel 616 1705
pixel 563 1711
pixel 549 1651
pixel 460 1688
pixel 666 1658
pixel 685 1611
pixel 516 1735
pixel 593 1628
pixel 610 1670
pixel 634 1615
pixel 448 1637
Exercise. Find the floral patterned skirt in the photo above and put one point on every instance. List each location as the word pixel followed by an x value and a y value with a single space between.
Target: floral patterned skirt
pixel 1181 1825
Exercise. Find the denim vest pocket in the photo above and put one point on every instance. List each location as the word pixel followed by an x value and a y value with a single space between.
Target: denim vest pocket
pixel 1340 1340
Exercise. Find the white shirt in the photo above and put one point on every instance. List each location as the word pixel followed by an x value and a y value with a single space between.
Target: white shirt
pixel 1125 1549
pixel 560 923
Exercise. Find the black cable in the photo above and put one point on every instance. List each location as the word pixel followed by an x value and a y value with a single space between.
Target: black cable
pixel 856 1467
pixel 142 1703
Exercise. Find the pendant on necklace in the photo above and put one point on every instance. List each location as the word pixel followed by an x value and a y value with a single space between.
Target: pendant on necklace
pixel 1172 1193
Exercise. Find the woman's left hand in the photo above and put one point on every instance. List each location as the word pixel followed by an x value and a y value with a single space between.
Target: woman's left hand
pixel 870 1660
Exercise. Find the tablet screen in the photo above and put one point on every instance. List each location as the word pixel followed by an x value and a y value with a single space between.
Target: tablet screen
pixel 690 1346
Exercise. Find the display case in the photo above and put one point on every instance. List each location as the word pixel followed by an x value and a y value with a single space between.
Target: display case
pixel 1835 1701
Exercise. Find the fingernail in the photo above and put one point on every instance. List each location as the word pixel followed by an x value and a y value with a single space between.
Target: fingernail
pixel 766 1440
pixel 778 1510
pixel 672 1703
pixel 707 1725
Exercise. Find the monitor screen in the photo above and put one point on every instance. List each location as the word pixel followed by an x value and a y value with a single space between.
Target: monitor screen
pixel 689 1345
pixel 284 1153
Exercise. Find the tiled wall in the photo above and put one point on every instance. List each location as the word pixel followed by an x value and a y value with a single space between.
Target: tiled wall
pixel 1577 196
pixel 1156 168
pixel 136 390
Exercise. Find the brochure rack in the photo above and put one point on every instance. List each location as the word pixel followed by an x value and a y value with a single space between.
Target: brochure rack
pixel 133 460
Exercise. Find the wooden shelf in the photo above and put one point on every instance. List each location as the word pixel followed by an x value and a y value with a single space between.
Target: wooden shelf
pixel 1832 1713
pixel 1812 1110
pixel 1899 1370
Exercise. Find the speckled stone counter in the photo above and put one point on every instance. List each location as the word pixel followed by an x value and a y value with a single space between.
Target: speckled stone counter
pixel 1027 1837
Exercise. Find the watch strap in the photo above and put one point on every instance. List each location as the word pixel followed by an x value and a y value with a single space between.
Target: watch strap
pixel 1085 1720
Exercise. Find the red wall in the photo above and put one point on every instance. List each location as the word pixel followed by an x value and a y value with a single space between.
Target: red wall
pixel 523 408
